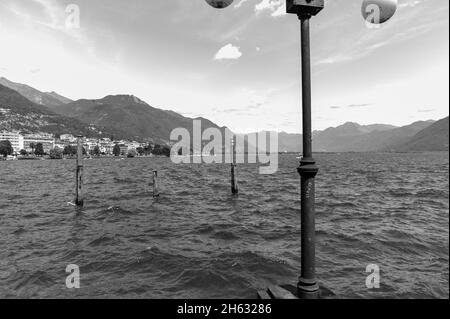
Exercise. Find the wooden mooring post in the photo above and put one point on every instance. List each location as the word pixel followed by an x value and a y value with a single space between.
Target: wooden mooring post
pixel 234 184
pixel 79 200
pixel 155 184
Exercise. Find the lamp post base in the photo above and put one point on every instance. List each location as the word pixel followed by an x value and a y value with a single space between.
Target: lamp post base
pixel 291 292
pixel 307 289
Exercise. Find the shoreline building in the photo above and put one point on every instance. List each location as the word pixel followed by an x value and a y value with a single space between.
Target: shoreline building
pixel 47 141
pixel 28 142
pixel 16 140
pixel 90 144
pixel 123 149
pixel 68 138
pixel 106 146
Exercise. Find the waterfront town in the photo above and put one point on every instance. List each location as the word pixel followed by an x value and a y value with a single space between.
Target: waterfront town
pixel 44 144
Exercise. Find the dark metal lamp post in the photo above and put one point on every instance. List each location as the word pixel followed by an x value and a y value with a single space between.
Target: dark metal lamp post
pixel 307 286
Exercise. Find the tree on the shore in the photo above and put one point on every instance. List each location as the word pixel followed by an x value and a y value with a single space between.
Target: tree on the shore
pixel 97 151
pixel 56 153
pixel 39 151
pixel 116 150
pixel 148 149
pixel 23 152
pixel 161 150
pixel 6 148
pixel 140 151
pixel 70 150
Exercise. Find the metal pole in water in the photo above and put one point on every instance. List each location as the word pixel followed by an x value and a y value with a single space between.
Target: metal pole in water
pixel 307 285
pixel 79 200
pixel 155 184
pixel 234 185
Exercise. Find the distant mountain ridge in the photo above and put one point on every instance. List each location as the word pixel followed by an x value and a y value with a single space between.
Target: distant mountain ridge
pixel 352 129
pixel 62 99
pixel 127 116
pixel 50 100
pixel 122 116
pixel 352 137
pixel 132 116
pixel 365 138
pixel 17 113
pixel 433 138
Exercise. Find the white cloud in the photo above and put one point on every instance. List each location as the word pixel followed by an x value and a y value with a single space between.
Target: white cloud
pixel 281 11
pixel 267 5
pixel 411 3
pixel 276 7
pixel 228 52
pixel 240 3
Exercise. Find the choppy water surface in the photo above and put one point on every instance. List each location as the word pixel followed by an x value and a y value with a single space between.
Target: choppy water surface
pixel 197 240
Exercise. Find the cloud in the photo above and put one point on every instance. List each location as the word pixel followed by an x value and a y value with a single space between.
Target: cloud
pixel 336 107
pixel 411 3
pixel 228 52
pixel 244 101
pixel 276 7
pixel 362 42
pixel 52 17
pixel 359 105
pixel 267 5
pixel 240 3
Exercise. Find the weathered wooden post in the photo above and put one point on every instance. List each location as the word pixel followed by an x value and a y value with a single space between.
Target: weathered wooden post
pixel 234 184
pixel 79 200
pixel 307 286
pixel 155 184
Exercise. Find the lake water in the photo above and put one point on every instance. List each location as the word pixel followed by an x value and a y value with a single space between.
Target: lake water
pixel 198 241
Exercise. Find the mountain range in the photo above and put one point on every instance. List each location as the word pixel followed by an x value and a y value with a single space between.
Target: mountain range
pixel 352 137
pixel 132 117
pixel 17 113
pixel 126 116
pixel 432 138
pixel 49 99
pixel 120 116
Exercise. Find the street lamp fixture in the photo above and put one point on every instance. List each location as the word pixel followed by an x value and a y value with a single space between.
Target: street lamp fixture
pixel 304 7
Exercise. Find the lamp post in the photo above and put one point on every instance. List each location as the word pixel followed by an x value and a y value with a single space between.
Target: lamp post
pixel 307 286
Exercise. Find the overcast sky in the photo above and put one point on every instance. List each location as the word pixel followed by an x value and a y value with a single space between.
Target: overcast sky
pixel 237 66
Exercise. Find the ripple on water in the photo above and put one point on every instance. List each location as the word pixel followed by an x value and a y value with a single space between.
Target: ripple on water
pixel 197 241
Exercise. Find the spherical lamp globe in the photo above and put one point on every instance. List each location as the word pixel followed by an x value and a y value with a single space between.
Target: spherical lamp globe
pixel 219 4
pixel 378 11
